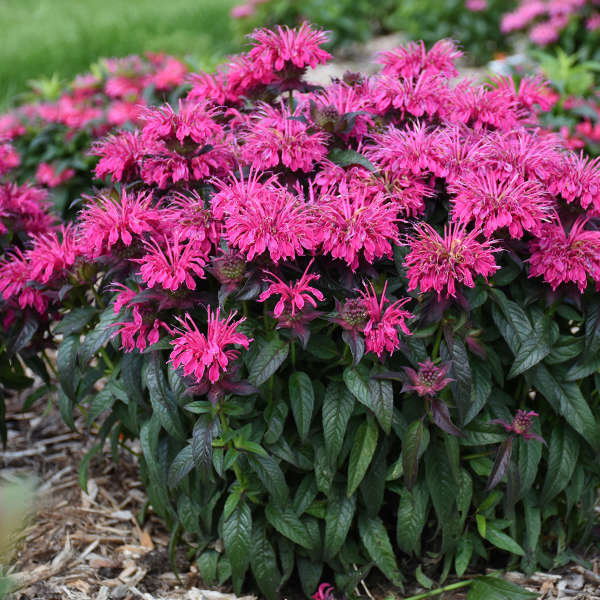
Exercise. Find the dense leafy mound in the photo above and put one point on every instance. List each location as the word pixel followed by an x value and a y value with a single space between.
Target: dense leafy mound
pixel 352 327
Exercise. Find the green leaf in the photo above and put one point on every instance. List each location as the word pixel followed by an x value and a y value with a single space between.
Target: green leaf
pixel 271 356
pixel 348 157
pixel 592 328
pixel 101 402
pixel 338 406
pixel 486 587
pixel 411 452
pixel 585 366
pixel 182 464
pixel 271 476
pixel 66 365
pixel 530 454
pixel 285 521
pixel 562 460
pixel 411 518
pixel 310 574
pixel 83 467
pixel 263 563
pixel 567 400
pixel 95 339
pixel 464 552
pixel 157 486
pixel 302 401
pixel 207 566
pixel 205 430
pixel 361 454
pixel 502 540
pixel 375 539
pixel 481 388
pixel 461 373
pixel 237 531
pixel 340 512
pixel 441 483
pixel 75 320
pixel 357 381
pixel 533 349
pixel 381 400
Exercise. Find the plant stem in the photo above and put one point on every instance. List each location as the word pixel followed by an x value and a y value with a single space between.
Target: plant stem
pixel 437 591
pixel 97 296
pixel 109 363
pixel 49 363
pixel 293 354
pixel 436 344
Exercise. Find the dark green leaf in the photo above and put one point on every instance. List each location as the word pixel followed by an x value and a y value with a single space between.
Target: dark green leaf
pixel 340 512
pixel 237 531
pixel 310 574
pixel 271 476
pixel 381 400
pixel 501 463
pixel 66 365
pixel 562 460
pixel 502 540
pixel 361 454
pixel 263 562
pixel 269 359
pixel 532 349
pixel 348 157
pixel 411 452
pixel 302 401
pixel 461 373
pixel 182 464
pixel 486 587
pixel 289 525
pixel 412 515
pixel 205 430
pixel 377 544
pixel 338 406
pixel 75 320
pixel 95 339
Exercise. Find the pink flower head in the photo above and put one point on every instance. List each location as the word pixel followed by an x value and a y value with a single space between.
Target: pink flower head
pixel 169 75
pixel 476 5
pixel 559 257
pixel 172 263
pixel 275 137
pixel 15 278
pixel 355 224
pixel 439 263
pixel 260 217
pixel 24 208
pixel 47 175
pixel 293 297
pixel 52 254
pixel 144 325
pixel 9 158
pixel 493 204
pixel 276 51
pixel 579 179
pixel 229 268
pixel 325 592
pixel 198 353
pixel 107 220
pixel 521 425
pixel 413 59
pixel 124 296
pixel 194 123
pixel 381 329
pixel 120 156
pixel 429 380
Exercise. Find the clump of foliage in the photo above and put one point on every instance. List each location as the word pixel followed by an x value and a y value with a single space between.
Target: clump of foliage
pixel 353 328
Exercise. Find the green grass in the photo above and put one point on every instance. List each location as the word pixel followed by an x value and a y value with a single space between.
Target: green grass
pixel 41 38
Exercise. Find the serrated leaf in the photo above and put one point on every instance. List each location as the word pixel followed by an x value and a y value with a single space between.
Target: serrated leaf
pixel 461 373
pixel 95 339
pixel 263 563
pixel 348 157
pixel 562 460
pixel 532 349
pixel 375 539
pixel 481 387
pixel 205 430
pixel 302 401
pixel 237 531
pixel 338 406
pixel 411 452
pixel 502 540
pixel 529 458
pixel 357 381
pixel 271 356
pixel 381 402
pixel 411 518
pixel 285 521
pixel 363 448
pixel 182 464
pixel 271 476
pixel 338 518
pixel 75 320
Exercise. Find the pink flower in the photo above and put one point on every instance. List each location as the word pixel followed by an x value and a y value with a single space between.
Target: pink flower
pixel 51 254
pixel 198 353
pixel 275 137
pixel 429 380
pixel 169 75
pixel 120 156
pixel 144 325
pixel 413 59
pixel 325 592
pixel 9 158
pixel 106 221
pixel 47 175
pixel 242 11
pixel 357 223
pixel 229 268
pixel 493 204
pixel 381 329
pixel 124 296
pixel 439 263
pixel 24 208
pixel 260 217
pixel 15 277
pixel 476 5
pixel 275 51
pixel 172 262
pixel 293 297
pixel 559 257
pixel 521 425
pixel 578 179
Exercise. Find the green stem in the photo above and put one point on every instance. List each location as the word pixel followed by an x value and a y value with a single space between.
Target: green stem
pixel 293 354
pixel 49 363
pixel 109 363
pixel 437 591
pixel 97 296
pixel 291 100
pixel 436 344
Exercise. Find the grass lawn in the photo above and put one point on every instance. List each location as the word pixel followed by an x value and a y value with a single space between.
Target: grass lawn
pixel 44 37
